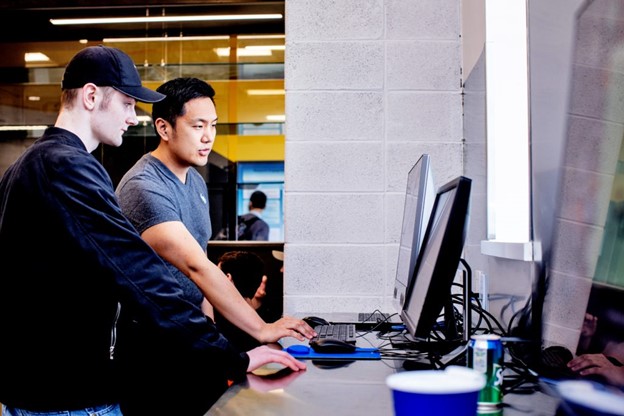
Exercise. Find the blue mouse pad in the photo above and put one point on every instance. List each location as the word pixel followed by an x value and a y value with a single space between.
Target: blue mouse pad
pixel 305 352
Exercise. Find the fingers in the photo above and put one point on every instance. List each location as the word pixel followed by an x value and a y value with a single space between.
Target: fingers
pixel 597 364
pixel 288 360
pixel 292 362
pixel 583 362
pixel 304 329
pixel 297 335
pixel 297 328
pixel 263 355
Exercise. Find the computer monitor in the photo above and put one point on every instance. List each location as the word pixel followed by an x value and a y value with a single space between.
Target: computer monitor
pixel 419 196
pixel 429 290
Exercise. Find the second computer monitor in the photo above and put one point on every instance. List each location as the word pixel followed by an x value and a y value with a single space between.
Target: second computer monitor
pixel 419 197
pixel 429 291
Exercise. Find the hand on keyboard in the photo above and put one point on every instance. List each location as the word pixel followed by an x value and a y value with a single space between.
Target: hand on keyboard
pixel 553 363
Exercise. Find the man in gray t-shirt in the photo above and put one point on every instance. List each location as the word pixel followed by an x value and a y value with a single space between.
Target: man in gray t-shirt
pixel 165 198
pixel 150 194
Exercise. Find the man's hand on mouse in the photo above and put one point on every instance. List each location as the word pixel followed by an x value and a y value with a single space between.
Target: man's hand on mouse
pixel 263 355
pixel 270 383
pixel 287 326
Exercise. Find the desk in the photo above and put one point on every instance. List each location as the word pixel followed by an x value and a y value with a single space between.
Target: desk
pixel 358 388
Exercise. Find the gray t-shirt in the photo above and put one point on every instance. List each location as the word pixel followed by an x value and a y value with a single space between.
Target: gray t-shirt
pixel 150 194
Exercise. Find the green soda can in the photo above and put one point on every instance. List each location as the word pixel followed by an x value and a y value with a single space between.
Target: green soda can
pixel 486 354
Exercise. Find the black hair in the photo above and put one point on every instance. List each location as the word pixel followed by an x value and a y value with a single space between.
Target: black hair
pixel 178 92
pixel 258 199
pixel 246 269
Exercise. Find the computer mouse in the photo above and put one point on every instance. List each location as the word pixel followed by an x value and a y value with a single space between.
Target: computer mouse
pixel 332 346
pixel 314 321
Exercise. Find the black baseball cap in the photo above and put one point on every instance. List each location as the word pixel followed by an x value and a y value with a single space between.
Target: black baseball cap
pixel 107 67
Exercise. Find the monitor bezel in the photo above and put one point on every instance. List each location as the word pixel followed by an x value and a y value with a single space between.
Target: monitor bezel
pixel 426 196
pixel 448 257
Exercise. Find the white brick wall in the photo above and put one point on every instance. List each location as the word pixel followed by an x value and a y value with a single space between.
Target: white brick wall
pixel 370 86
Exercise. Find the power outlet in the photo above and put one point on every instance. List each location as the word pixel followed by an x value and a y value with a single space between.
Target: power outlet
pixel 480 285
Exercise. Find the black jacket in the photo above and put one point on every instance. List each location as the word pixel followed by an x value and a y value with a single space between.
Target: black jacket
pixel 69 258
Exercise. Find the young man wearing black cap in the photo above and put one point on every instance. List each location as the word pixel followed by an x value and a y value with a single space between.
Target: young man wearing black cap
pixel 60 304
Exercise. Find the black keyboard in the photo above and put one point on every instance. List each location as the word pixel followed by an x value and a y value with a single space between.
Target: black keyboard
pixel 552 364
pixel 342 332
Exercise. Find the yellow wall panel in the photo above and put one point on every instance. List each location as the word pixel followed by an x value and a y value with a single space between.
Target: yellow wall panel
pixel 250 148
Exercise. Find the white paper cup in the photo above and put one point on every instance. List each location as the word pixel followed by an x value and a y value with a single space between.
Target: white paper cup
pixel 588 398
pixel 453 391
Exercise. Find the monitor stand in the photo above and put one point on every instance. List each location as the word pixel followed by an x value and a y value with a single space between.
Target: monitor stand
pixel 454 342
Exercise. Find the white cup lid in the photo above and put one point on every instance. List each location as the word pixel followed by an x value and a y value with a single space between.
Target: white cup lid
pixel 453 379
pixel 592 396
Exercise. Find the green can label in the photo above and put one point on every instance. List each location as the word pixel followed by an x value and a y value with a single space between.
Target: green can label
pixel 485 354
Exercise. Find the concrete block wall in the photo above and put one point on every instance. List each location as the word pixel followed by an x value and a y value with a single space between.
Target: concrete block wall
pixel 370 86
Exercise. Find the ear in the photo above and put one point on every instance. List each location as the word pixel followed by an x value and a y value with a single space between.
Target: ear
pixel 162 127
pixel 89 92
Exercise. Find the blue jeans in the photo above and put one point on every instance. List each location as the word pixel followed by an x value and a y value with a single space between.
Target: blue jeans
pixel 104 410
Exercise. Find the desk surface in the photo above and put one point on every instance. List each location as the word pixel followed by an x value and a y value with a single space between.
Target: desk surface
pixel 355 388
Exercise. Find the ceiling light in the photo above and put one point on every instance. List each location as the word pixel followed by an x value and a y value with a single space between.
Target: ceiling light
pixel 276 117
pixel 22 128
pixel 266 92
pixel 36 57
pixel 163 19
pixel 270 47
pixel 261 36
pixel 34 98
pixel 163 39
pixel 144 119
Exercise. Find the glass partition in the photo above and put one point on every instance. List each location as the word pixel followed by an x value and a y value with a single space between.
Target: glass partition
pixel 246 70
pixel 588 260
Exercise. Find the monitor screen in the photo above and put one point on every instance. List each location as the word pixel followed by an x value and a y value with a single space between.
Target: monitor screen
pixel 419 197
pixel 429 290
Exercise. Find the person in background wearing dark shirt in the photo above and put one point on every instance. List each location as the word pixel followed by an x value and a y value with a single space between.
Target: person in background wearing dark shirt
pixel 251 226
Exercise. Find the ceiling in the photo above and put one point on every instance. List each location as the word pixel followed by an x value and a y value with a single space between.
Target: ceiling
pixel 29 91
pixel 34 16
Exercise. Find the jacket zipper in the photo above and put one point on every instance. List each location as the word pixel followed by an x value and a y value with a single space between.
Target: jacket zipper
pixel 111 349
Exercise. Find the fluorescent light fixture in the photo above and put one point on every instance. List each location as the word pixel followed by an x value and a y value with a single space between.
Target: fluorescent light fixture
pixel 266 92
pixel 243 52
pixel 34 98
pixel 261 36
pixel 22 128
pixel 163 19
pixel 269 47
pixel 163 39
pixel 276 117
pixel 36 57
